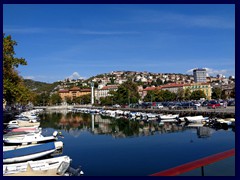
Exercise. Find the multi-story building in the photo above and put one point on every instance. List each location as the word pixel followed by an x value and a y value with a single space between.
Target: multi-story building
pixel 205 87
pixel 73 93
pixel 104 91
pixel 172 87
pixel 199 75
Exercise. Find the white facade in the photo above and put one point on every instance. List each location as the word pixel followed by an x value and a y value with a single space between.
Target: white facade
pixel 199 75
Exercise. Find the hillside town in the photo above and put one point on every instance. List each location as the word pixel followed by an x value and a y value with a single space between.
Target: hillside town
pixel 146 81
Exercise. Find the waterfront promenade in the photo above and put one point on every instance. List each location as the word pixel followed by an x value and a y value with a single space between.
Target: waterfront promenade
pixel 222 112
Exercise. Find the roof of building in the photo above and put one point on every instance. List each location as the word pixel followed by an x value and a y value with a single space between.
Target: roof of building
pixel 152 88
pixel 63 91
pixel 172 85
pixel 74 89
pixel 109 87
pixel 85 90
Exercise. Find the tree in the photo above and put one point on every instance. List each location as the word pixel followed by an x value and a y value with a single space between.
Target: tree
pixel 180 94
pixel 14 89
pixel 196 95
pixel 55 99
pixel 127 93
pixel 159 81
pixel 187 94
pixel 216 93
pixel 232 95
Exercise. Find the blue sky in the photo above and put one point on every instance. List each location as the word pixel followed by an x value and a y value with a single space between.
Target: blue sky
pixel 80 40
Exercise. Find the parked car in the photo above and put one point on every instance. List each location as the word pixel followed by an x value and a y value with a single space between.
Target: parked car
pixel 231 103
pixel 158 106
pixel 186 105
pixel 116 106
pixel 213 105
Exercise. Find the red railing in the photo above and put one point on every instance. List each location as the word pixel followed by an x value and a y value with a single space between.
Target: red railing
pixel 196 164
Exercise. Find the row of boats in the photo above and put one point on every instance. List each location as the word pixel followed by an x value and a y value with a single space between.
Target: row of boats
pixel 24 148
pixel 199 119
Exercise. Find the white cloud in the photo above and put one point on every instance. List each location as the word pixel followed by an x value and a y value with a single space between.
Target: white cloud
pixel 75 75
pixel 29 77
pixel 210 72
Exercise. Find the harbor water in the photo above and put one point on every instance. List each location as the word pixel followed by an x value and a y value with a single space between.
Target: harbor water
pixel 105 146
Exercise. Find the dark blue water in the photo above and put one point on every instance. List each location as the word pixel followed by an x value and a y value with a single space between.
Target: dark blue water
pixel 105 146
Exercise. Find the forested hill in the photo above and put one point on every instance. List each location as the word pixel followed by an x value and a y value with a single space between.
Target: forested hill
pixel 39 87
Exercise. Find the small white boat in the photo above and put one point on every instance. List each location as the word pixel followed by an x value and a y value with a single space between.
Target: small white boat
pixel 195 119
pixel 23 129
pixel 52 166
pixel 22 123
pixel 168 116
pixel 30 138
pixel 13 154
pixel 169 120
pixel 228 121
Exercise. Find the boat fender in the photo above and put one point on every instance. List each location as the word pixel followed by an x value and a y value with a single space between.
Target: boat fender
pixel 55 133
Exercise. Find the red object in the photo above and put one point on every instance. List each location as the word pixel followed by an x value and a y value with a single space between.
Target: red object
pixel 196 164
pixel 213 105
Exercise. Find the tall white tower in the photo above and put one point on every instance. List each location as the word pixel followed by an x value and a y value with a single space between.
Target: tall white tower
pixel 92 93
pixel 199 75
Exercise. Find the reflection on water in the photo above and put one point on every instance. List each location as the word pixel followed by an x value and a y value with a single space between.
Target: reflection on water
pixel 74 123
pixel 106 146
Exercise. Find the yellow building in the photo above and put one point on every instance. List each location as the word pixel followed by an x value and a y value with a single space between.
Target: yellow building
pixel 205 87
pixel 73 92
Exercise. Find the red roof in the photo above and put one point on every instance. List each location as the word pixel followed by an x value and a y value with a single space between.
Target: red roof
pixel 152 88
pixel 74 89
pixel 109 87
pixel 172 85
pixel 63 91
pixel 85 90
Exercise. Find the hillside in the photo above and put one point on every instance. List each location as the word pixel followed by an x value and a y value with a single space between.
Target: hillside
pixel 40 87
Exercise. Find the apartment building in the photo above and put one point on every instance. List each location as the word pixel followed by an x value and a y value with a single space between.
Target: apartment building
pixel 73 92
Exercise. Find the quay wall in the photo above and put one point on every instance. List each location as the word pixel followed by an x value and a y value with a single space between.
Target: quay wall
pixel 228 112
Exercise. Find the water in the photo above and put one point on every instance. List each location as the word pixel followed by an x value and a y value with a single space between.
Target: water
pixel 105 146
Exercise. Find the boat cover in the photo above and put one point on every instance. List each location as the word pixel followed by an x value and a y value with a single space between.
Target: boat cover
pixel 28 150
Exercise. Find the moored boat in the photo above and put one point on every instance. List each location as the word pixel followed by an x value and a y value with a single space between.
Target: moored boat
pixel 168 116
pixel 22 123
pixel 57 166
pixel 30 138
pixel 13 154
pixel 195 119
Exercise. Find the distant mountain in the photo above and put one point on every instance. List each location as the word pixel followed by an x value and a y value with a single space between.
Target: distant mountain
pixel 40 87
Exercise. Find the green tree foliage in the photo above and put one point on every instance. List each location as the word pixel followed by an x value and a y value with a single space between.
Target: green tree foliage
pixel 216 93
pixel 180 94
pixel 42 99
pixel 159 95
pixel 159 81
pixel 127 93
pixel 196 95
pixel 108 101
pixel 232 95
pixel 150 97
pixel 86 99
pixel 14 89
pixel 187 94
pixel 55 99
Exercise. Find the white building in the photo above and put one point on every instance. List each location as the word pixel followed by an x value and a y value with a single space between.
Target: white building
pixel 199 75
pixel 104 91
